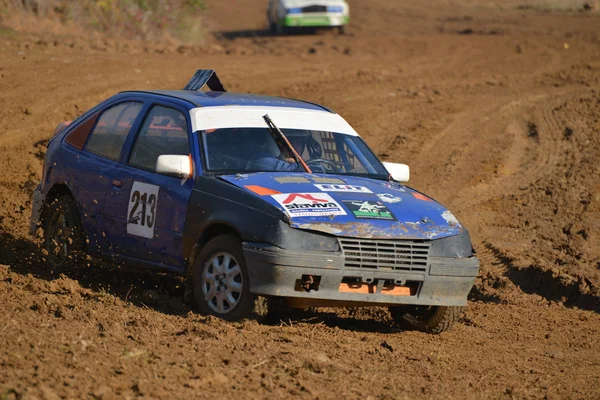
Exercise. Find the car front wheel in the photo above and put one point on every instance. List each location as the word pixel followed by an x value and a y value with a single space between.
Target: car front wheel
pixel 220 280
pixel 430 319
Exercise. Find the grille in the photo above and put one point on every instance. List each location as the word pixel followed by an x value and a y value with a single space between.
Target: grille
pixel 314 9
pixel 396 255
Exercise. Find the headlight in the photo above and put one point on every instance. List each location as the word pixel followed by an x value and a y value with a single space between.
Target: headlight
pixel 458 246
pixel 286 237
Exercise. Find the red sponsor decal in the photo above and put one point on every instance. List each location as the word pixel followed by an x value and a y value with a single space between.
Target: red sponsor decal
pixel 309 197
pixel 421 197
pixel 262 191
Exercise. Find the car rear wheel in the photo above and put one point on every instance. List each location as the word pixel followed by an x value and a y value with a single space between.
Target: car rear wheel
pixel 63 233
pixel 430 319
pixel 220 281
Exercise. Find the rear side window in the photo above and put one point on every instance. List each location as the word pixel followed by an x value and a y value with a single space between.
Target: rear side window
pixel 110 132
pixel 164 132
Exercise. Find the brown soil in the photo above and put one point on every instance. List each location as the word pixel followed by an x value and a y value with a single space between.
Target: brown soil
pixel 495 108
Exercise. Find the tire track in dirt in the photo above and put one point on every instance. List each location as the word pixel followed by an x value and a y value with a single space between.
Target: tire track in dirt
pixel 531 271
pixel 523 162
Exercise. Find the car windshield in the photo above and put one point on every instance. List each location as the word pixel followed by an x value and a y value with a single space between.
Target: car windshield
pixel 245 150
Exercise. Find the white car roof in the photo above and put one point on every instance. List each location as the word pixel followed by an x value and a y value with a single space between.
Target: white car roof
pixel 205 118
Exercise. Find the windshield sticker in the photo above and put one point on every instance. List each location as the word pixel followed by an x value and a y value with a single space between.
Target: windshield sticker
pixel 343 188
pixel 291 179
pixel 369 210
pixel 308 204
pixel 141 210
pixel 389 198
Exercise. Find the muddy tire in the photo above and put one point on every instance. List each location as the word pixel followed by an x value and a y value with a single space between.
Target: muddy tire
pixel 220 282
pixel 430 319
pixel 63 233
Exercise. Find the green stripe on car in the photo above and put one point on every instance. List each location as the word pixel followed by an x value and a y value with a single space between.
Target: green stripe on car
pixel 302 20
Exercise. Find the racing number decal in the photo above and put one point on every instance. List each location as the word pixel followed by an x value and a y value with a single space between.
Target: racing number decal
pixel 141 211
pixel 134 216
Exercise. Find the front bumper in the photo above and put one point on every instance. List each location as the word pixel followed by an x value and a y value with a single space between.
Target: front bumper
pixel 37 205
pixel 315 20
pixel 277 272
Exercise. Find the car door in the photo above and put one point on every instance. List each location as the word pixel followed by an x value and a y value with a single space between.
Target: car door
pixel 145 210
pixel 95 162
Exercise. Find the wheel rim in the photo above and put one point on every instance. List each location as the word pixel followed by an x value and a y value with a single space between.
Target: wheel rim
pixel 222 282
pixel 59 238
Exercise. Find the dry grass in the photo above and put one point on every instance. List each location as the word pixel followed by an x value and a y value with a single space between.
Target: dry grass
pixel 563 5
pixel 147 20
pixel 539 5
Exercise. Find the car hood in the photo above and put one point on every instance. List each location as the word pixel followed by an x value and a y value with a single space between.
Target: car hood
pixel 351 206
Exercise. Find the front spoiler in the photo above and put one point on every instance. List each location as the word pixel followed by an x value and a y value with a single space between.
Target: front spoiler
pixel 277 272
pixel 319 20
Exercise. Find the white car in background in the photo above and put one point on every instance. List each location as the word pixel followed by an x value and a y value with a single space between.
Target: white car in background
pixel 283 14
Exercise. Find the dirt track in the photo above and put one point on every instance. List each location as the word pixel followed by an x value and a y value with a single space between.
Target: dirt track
pixel 496 110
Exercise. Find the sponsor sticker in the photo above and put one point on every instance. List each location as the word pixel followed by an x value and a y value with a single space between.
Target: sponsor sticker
pixel 369 210
pixel 309 204
pixel 291 179
pixel 343 188
pixel 141 209
pixel 394 186
pixel 421 196
pixel 389 198
pixel 450 218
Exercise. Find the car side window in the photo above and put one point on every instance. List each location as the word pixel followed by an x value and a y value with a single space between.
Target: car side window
pixel 109 134
pixel 164 132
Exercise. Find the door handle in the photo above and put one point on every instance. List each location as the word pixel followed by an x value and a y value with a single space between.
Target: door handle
pixel 117 183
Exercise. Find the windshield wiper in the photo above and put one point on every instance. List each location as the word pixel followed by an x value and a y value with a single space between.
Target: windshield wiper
pixel 280 137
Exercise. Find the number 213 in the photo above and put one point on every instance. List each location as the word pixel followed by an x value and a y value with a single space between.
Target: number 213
pixel 146 202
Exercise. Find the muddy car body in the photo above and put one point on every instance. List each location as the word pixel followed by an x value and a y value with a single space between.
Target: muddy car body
pixel 165 180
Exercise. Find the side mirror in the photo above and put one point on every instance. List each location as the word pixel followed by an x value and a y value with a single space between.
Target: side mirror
pixel 399 172
pixel 174 165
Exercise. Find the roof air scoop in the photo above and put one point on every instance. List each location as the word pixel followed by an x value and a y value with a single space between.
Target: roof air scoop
pixel 206 77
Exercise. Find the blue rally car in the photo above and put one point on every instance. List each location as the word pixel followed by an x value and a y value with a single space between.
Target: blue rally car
pixel 255 200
